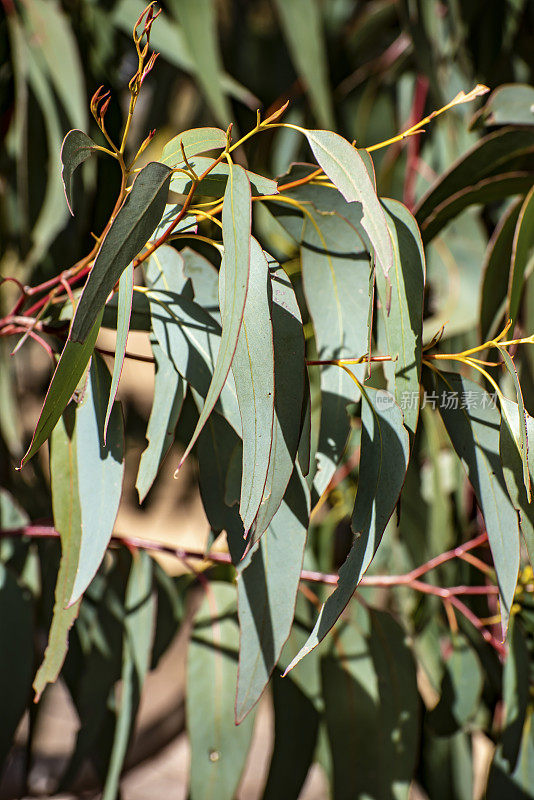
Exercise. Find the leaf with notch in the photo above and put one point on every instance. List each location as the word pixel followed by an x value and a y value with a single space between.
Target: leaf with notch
pixel 77 147
pixel 384 458
pixel 236 222
pixel 130 230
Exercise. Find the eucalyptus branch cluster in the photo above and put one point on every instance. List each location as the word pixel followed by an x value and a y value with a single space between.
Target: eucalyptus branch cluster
pixel 269 356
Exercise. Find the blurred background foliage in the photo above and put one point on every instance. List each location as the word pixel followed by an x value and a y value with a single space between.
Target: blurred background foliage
pixel 367 69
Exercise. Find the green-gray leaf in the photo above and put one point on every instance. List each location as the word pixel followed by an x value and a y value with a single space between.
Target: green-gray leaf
pixel 253 371
pixel 169 391
pixel 346 169
pixel 71 366
pixel 403 321
pixel 129 232
pixel 100 468
pixel 303 28
pixel 124 311
pixel 195 141
pixel 267 589
pixel 236 222
pixel 77 147
pixel 218 748
pixel 474 433
pixel 385 451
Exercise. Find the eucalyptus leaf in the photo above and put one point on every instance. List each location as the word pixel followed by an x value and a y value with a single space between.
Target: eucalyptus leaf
pixel 218 748
pixel 267 588
pixel 346 169
pixel 303 29
pixel 77 147
pixel 198 19
pixel 169 392
pixel 473 426
pixel 124 311
pixel 403 319
pixel 129 232
pixel 522 255
pixel 236 222
pixel 215 182
pixel 67 521
pixel 253 371
pixel 100 469
pixel 70 368
pixel 384 459
pixel 195 141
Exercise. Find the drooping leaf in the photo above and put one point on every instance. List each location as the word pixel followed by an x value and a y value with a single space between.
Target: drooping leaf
pixel 77 147
pixel 495 274
pixel 215 182
pixel 346 169
pixel 303 28
pixel 137 647
pixel 461 688
pixel 236 222
pixel 218 748
pixel 296 724
pixel 384 459
pixel 187 333
pixel 169 392
pixel 53 38
pixel 511 104
pixel 403 320
pixel 289 369
pixel 218 448
pixel 494 158
pixel 12 516
pixel 169 39
pixel 522 254
pixel 511 769
pixel 187 224
pixel 513 467
pixel 267 588
pixel 100 469
pixel 71 367
pixel 253 371
pixel 371 702
pixel 130 230
pixel 473 427
pixel 52 213
pixel 205 280
pixel 517 418
pixel 454 291
pixel 195 141
pixel 198 19
pixel 16 670
pixel 67 521
pixel 124 311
